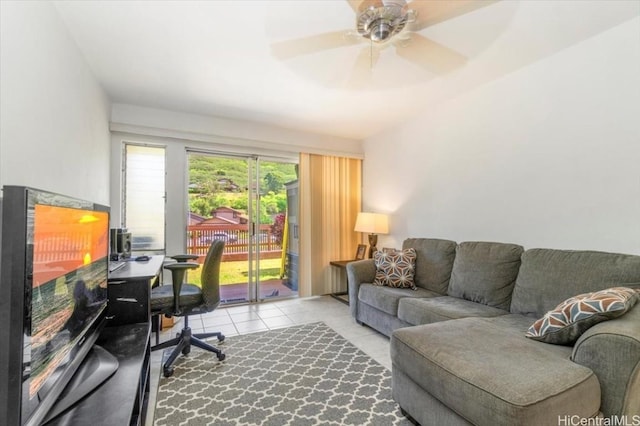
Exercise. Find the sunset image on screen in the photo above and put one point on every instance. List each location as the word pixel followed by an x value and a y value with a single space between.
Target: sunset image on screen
pixel 66 239
pixel 70 249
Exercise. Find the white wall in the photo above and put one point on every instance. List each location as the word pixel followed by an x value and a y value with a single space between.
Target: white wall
pixel 547 156
pixel 54 116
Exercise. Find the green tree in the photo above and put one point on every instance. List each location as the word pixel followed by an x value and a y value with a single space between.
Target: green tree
pixel 241 202
pixel 274 182
pixel 201 206
pixel 275 202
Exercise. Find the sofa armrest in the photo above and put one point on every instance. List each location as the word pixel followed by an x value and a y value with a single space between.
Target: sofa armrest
pixel 611 349
pixel 358 272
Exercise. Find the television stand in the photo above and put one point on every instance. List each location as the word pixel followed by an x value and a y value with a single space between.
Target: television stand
pixel 97 367
pixel 122 398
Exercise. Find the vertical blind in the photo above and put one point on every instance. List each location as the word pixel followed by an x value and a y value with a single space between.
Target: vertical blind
pixel 330 199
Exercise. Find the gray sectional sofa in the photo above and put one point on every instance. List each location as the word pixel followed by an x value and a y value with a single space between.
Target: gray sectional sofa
pixel 458 346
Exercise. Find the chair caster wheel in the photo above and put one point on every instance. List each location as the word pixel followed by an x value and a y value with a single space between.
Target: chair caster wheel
pixel 221 339
pixel 221 357
pixel 168 372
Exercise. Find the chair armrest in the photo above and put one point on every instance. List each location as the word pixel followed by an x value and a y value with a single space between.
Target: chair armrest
pixel 611 349
pixel 178 270
pixel 358 272
pixel 181 266
pixel 184 257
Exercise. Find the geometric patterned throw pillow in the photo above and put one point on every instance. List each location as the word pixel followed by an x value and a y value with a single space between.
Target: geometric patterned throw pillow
pixel 395 268
pixel 566 323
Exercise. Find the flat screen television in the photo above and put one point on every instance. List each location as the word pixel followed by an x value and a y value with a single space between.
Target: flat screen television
pixel 53 299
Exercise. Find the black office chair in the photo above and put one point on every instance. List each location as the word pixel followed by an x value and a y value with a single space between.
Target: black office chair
pixel 182 299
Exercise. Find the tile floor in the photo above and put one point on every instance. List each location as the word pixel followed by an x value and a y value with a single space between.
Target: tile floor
pixel 250 318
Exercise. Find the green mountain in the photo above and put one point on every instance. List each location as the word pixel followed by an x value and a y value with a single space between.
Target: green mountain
pixel 206 171
pixel 220 181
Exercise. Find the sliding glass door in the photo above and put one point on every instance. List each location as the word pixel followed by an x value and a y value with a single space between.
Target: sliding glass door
pixel 243 201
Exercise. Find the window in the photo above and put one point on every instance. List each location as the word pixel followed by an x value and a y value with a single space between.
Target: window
pixel 144 196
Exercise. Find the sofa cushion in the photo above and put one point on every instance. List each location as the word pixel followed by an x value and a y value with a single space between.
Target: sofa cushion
pixel 487 374
pixel 395 268
pixel 566 323
pixel 547 277
pixel 434 261
pixel 425 311
pixel 485 272
pixel 386 298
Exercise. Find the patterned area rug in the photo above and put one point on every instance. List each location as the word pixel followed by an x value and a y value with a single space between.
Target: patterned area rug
pixel 301 375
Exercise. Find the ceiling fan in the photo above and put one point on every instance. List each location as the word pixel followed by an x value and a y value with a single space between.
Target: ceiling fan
pixel 385 23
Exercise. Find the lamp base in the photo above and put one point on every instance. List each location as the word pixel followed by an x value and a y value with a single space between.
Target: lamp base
pixel 373 241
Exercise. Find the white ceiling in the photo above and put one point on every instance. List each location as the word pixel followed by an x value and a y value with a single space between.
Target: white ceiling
pixel 215 57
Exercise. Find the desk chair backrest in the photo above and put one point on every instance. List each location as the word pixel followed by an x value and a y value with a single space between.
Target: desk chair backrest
pixel 210 277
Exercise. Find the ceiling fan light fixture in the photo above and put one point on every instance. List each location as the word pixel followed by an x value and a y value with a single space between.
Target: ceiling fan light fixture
pixel 380 24
pixel 381 30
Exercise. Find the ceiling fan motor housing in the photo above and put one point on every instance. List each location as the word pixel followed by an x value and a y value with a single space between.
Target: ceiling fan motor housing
pixel 381 30
pixel 379 22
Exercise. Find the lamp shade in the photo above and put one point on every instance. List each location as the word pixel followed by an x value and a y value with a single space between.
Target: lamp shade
pixel 373 223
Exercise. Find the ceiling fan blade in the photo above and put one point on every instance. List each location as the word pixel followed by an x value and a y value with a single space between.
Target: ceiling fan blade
pixel 363 68
pixel 430 12
pixel 316 43
pixel 358 5
pixel 430 55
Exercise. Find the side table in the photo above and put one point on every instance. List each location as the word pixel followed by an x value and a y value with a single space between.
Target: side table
pixel 344 295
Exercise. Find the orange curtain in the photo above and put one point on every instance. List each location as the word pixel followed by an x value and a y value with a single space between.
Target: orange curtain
pixel 330 199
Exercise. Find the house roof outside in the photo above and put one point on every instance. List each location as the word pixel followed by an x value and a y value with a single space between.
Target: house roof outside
pixel 220 216
pixel 219 221
pixel 195 218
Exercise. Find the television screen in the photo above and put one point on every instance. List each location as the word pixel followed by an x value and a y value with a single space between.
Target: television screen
pixel 54 276
pixel 69 289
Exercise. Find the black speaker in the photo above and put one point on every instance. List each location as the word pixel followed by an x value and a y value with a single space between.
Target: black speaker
pixel 124 244
pixel 120 243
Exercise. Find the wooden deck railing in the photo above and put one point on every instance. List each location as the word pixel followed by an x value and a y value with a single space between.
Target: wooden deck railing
pixel 236 238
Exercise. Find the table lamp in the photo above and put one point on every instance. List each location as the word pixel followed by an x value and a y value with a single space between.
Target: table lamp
pixel 374 224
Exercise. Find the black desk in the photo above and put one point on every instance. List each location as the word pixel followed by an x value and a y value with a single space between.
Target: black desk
pixel 138 270
pixel 129 290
